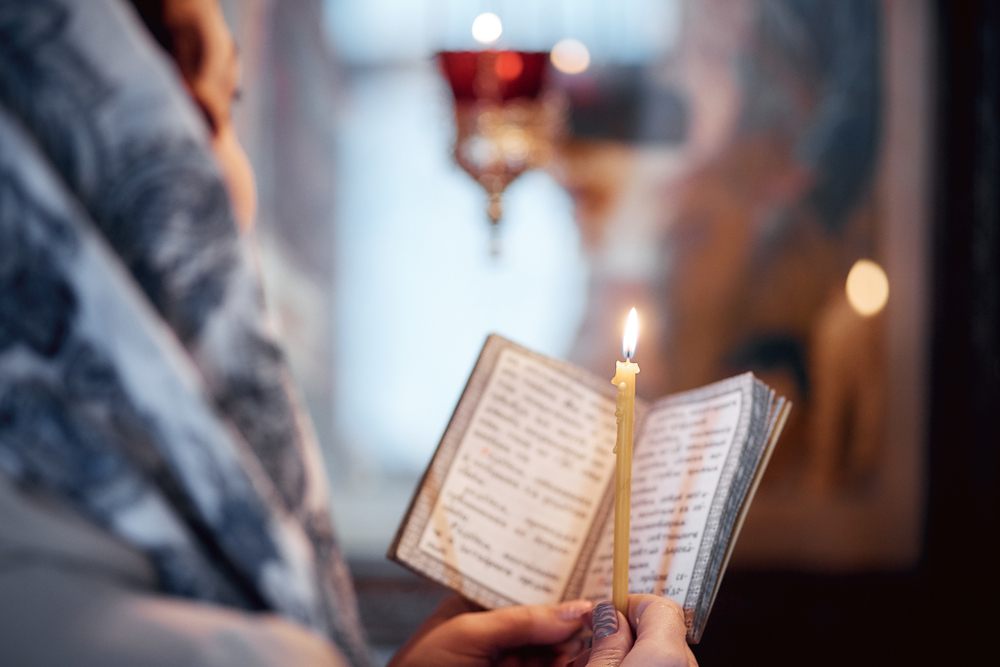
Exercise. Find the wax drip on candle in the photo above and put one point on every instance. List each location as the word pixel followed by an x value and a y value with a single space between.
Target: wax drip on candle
pixel 618 414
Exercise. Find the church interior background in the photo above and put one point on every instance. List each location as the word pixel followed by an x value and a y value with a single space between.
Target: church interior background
pixel 754 176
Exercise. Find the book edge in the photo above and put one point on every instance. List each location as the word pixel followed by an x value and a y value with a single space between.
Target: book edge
pixel 704 572
pixel 775 434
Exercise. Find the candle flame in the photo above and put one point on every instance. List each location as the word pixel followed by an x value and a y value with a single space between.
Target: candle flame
pixel 631 334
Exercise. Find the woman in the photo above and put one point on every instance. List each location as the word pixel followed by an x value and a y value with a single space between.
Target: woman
pixel 163 501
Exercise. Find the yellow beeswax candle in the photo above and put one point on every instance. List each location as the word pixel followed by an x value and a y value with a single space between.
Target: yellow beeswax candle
pixel 625 414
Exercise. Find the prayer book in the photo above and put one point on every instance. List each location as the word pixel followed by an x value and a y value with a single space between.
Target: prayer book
pixel 516 504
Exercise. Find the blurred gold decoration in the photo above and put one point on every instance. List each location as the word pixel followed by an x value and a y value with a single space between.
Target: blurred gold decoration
pixel 505 125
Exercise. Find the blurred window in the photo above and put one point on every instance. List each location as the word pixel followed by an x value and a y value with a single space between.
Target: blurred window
pixel 416 290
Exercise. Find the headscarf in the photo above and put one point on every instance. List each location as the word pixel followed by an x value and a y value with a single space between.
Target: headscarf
pixel 137 376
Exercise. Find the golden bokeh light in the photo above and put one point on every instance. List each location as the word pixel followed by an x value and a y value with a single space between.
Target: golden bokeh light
pixel 487 28
pixel 867 287
pixel 570 56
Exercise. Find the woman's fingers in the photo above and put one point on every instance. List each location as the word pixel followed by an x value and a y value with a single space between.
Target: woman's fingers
pixel 452 606
pixel 512 627
pixel 572 647
pixel 519 635
pixel 660 633
pixel 580 660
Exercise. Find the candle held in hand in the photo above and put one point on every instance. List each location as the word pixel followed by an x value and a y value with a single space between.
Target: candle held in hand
pixel 625 413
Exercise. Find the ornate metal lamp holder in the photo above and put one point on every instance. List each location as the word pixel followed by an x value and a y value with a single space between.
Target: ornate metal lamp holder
pixel 504 123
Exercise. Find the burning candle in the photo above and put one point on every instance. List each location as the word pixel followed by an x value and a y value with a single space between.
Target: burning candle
pixel 625 413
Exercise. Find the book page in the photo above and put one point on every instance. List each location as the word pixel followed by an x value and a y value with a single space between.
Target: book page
pixel 526 481
pixel 678 464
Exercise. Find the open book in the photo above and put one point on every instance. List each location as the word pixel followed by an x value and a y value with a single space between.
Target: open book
pixel 516 505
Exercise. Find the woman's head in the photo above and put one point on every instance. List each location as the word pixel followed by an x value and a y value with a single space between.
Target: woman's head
pixel 195 34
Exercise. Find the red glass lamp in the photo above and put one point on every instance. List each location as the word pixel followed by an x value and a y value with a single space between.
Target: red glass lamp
pixel 504 123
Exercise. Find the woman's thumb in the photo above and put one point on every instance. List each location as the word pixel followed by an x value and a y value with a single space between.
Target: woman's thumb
pixel 612 638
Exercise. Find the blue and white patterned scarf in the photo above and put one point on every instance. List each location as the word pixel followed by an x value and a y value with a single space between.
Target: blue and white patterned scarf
pixel 137 378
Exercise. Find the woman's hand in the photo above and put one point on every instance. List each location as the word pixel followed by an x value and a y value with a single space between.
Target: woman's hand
pixel 659 635
pixel 457 636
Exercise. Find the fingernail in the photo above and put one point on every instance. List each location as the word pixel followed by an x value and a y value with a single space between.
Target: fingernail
pixel 605 620
pixel 568 611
